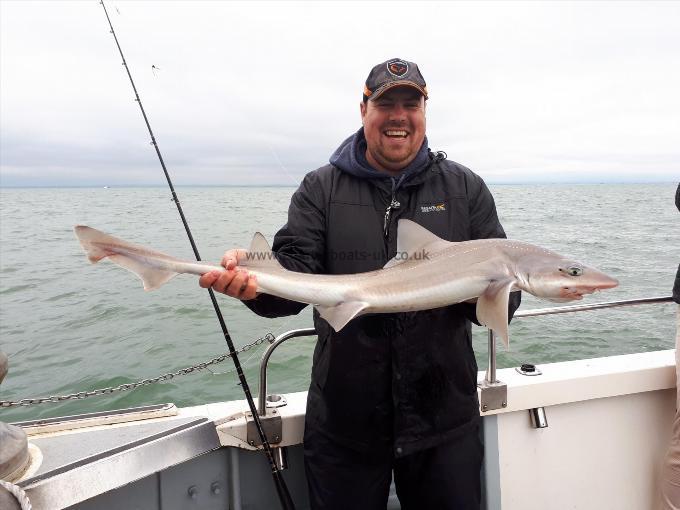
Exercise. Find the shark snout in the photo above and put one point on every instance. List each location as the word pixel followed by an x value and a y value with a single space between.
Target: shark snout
pixel 581 289
pixel 602 281
pixel 609 284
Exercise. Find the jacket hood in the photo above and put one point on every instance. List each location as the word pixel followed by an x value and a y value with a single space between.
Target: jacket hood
pixel 350 157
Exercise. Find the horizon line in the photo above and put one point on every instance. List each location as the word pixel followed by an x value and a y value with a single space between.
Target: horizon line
pixel 267 185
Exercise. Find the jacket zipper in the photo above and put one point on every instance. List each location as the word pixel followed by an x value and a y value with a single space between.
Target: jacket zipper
pixel 394 204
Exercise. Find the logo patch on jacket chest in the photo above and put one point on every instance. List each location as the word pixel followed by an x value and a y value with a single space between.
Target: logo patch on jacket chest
pixel 432 208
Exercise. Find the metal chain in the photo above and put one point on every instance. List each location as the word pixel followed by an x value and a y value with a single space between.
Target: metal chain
pixel 131 386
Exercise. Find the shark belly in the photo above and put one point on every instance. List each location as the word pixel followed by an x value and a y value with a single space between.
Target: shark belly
pixel 420 295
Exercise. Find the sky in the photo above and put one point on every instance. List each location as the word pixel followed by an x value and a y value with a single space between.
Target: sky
pixel 261 93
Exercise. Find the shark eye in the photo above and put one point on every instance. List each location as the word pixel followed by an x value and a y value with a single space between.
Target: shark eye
pixel 574 270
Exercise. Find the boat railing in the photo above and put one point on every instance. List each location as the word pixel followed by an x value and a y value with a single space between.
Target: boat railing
pixel 493 391
pixel 491 370
pixel 263 397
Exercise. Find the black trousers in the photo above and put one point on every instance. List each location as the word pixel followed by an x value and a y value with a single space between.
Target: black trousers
pixel 446 477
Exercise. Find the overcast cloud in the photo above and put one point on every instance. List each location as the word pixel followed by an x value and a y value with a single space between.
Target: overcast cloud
pixel 261 93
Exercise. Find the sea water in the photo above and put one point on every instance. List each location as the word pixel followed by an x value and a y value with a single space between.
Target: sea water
pixel 69 326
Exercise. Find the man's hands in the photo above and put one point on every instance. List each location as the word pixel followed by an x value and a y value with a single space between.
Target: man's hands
pixel 237 283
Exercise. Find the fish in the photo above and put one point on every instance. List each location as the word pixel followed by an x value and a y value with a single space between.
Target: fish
pixel 427 272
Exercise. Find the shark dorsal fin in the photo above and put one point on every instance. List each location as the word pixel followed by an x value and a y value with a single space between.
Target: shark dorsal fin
pixel 260 254
pixel 259 243
pixel 412 239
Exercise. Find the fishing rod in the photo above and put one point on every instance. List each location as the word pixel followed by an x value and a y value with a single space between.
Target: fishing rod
pixel 279 482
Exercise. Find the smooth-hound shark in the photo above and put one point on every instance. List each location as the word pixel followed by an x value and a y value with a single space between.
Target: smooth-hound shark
pixel 427 272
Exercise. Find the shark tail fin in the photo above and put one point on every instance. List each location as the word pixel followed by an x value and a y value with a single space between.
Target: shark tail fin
pixel 98 246
pixel 89 239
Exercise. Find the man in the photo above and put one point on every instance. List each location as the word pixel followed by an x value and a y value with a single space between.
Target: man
pixel 389 392
pixel 670 477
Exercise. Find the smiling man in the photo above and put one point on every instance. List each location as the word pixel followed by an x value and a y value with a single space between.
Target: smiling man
pixel 391 394
pixel 394 127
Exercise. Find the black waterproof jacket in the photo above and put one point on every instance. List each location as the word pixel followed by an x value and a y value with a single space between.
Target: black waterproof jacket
pixel 388 384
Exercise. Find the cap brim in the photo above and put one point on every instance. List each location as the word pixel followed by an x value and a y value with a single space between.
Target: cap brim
pixel 393 84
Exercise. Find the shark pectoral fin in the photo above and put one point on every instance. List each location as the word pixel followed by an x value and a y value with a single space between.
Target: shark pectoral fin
pixel 152 277
pixel 339 315
pixel 260 254
pixel 492 308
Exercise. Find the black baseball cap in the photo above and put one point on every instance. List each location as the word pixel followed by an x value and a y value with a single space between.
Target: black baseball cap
pixel 393 73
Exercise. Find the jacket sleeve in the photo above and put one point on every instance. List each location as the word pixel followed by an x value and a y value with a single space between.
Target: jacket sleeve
pixel 484 224
pixel 676 286
pixel 298 246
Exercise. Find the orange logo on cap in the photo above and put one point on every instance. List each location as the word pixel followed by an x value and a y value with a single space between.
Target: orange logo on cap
pixel 397 67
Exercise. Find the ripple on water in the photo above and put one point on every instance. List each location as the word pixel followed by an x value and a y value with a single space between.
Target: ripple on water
pixel 63 295
pixel 16 288
pixel 96 316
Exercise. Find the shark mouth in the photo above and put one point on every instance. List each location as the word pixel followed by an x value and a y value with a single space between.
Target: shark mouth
pixel 581 290
pixel 570 293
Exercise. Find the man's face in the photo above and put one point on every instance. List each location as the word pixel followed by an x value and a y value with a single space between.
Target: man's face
pixel 394 125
